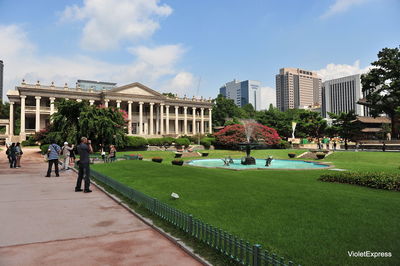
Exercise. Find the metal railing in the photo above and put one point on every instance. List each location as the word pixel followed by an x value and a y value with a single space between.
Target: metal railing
pixel 233 247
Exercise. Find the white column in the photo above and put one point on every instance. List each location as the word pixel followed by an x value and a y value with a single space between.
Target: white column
pixel 176 120
pixel 185 120
pixel 129 117
pixel 79 100
pixel 194 120
pixel 23 97
pixel 202 121
pixel 11 132
pixel 167 119
pixel 91 102
pixel 161 118
pixel 151 120
pixel 52 99
pixel 210 121
pixel 141 118
pixel 158 120
pixel 118 103
pixel 106 102
pixel 37 125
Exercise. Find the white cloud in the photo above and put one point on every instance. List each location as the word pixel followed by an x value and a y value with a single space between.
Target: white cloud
pixel 108 22
pixel 182 83
pixel 155 67
pixel 332 71
pixel 268 96
pixel 340 6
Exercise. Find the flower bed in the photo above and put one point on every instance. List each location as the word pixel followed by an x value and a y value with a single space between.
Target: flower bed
pixel 373 180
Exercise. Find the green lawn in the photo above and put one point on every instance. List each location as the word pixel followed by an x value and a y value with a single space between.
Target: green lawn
pixel 287 212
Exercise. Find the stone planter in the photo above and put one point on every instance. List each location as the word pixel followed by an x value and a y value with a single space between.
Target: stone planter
pixel 291 155
pixel 157 160
pixel 320 156
pixel 178 155
pixel 177 162
pixel 204 154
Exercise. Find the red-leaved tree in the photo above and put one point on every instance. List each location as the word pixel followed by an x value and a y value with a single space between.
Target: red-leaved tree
pixel 234 134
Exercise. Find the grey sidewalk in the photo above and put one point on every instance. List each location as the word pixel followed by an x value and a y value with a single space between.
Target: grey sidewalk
pixel 44 222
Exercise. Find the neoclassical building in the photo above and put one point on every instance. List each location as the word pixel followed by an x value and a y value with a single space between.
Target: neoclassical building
pixel 150 113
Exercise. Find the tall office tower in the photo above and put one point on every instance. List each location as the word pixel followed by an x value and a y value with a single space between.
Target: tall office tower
pixel 244 92
pixel 341 95
pixel 297 88
pixel 1 79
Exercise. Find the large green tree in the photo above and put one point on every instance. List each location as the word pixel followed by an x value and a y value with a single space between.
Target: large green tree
pixel 382 86
pixel 225 109
pixel 345 126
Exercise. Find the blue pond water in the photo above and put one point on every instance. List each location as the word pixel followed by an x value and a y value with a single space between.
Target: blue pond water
pixel 260 163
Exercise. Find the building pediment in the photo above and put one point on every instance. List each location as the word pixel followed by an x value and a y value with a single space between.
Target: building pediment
pixel 136 89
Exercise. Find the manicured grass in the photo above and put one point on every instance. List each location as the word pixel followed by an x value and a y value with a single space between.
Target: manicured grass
pixel 287 212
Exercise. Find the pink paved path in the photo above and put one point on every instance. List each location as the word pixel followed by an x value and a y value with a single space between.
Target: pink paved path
pixel 44 222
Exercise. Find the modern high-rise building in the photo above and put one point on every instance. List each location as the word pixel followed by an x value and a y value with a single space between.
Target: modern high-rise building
pixel 1 80
pixel 243 92
pixel 341 95
pixel 297 88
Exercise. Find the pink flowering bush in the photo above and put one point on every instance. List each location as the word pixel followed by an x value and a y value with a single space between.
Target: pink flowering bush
pixel 234 134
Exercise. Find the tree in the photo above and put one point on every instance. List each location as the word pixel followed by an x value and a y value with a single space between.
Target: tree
pixel 169 95
pixel 234 134
pixel 249 109
pixel 382 86
pixel 345 125
pixel 103 125
pixel 224 108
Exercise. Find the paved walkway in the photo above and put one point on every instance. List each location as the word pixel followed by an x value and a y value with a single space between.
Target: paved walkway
pixel 44 222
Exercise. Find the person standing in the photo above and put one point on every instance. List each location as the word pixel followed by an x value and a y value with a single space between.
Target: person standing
pixel 334 145
pixel 53 154
pixel 112 154
pixel 84 149
pixel 12 154
pixel 102 153
pixel 18 154
pixel 66 151
pixel 71 154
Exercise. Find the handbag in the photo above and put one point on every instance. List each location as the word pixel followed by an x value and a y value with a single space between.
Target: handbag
pixel 46 157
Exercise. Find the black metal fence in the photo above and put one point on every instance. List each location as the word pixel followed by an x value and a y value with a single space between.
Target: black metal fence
pixel 233 247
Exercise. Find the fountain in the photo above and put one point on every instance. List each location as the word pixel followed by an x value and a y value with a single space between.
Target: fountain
pixel 248 129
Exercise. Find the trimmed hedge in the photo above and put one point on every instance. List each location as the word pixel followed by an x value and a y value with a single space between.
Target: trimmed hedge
pixel 207 142
pixel 136 142
pixel 29 142
pixel 385 181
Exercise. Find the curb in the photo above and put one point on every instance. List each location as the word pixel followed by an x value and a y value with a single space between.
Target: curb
pixel 176 241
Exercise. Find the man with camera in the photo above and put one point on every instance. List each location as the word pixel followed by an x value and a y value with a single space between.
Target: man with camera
pixel 84 149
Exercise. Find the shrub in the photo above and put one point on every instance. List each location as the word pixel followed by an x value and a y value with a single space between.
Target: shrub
pixel 177 162
pixel 168 140
pixel 156 141
pixel 234 134
pixel 182 142
pixel 44 148
pixel 29 142
pixel 207 142
pixel 283 144
pixel 373 180
pixel 136 142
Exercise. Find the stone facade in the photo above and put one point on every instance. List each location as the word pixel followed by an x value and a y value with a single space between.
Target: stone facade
pixel 150 113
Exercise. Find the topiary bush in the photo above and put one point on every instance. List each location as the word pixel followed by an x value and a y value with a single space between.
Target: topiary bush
pixel 376 180
pixel 136 142
pixel 207 142
pixel 168 140
pixel 156 141
pixel 182 142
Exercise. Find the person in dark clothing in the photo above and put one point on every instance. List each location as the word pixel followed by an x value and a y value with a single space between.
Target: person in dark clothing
pixel 71 154
pixel 13 156
pixel 84 149
pixel 52 154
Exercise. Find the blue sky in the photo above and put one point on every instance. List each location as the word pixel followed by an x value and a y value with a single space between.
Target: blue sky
pixel 191 47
